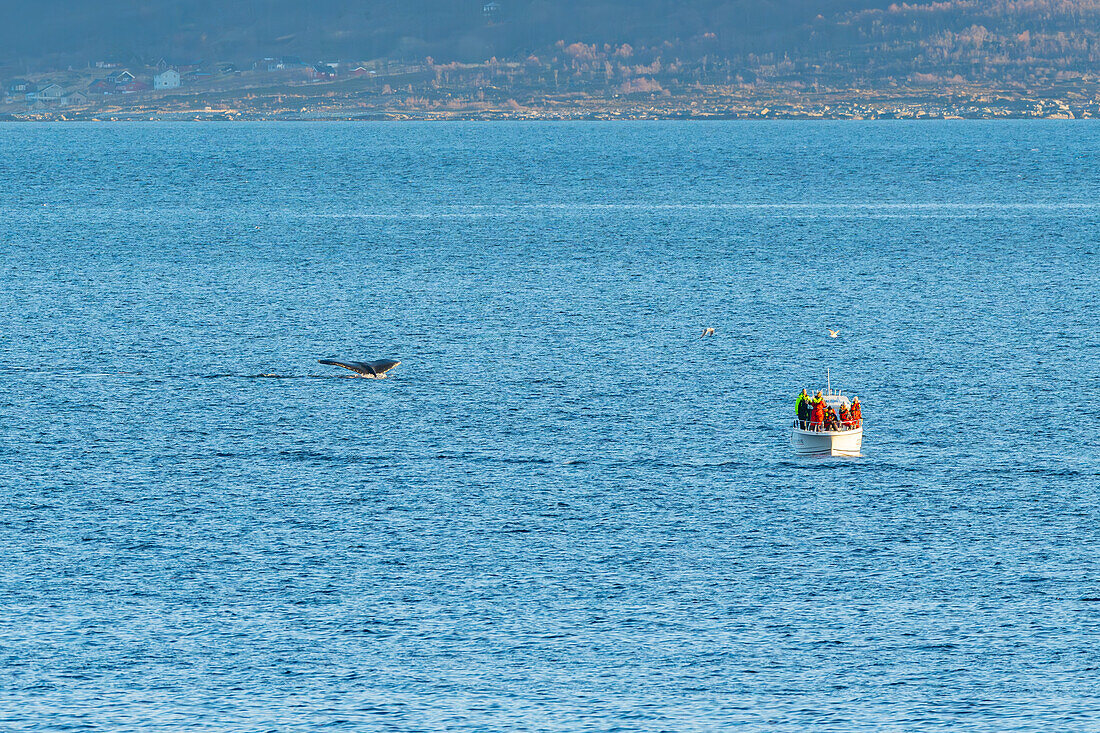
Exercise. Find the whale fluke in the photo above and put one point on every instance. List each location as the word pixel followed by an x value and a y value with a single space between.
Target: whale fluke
pixel 372 369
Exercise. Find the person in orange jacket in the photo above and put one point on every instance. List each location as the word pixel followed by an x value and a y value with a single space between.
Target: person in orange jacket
pixel 857 417
pixel 845 417
pixel 817 417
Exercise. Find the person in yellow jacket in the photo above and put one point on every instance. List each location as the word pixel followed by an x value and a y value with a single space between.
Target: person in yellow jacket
pixel 802 409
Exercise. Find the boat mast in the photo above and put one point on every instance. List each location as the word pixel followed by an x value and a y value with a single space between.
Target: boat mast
pixel 828 381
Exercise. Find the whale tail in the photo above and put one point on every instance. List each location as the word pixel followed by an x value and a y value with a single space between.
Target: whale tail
pixel 372 369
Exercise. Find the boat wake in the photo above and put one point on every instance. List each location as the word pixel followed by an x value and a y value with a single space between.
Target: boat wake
pixel 279 376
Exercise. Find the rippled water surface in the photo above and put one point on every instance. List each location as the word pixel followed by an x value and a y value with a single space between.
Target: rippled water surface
pixel 565 510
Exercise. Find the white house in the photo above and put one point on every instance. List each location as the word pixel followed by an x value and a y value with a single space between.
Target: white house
pixel 52 93
pixel 167 79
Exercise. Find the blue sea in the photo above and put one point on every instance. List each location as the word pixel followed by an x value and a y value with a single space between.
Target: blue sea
pixel 564 510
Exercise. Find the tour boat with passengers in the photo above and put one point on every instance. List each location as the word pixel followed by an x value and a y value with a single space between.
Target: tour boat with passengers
pixel 812 439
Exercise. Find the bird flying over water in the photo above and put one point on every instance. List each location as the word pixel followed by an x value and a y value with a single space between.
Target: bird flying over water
pixel 832 334
pixel 368 369
pixel 707 332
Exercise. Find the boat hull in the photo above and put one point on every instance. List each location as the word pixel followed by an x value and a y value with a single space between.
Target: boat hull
pixel 833 443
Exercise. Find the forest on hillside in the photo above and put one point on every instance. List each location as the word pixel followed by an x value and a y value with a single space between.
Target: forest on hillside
pixel 834 42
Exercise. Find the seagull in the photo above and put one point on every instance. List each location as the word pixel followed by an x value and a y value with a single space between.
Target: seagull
pixel 707 332
pixel 832 334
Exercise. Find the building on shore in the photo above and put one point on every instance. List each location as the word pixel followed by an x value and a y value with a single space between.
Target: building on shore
pixel 167 79
pixel 51 94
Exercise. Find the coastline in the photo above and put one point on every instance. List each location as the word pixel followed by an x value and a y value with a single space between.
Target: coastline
pixel 348 101
pixel 580 115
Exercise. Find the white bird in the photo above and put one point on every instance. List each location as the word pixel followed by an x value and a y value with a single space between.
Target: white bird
pixel 832 334
pixel 707 332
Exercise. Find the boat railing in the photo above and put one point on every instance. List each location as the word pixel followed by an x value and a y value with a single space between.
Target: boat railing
pixel 809 426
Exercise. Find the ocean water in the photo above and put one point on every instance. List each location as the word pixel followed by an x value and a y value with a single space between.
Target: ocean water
pixel 565 510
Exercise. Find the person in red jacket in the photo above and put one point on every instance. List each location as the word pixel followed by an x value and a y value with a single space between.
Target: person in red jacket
pixel 817 417
pixel 857 417
pixel 845 417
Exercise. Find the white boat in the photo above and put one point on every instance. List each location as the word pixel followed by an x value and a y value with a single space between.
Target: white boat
pixel 843 442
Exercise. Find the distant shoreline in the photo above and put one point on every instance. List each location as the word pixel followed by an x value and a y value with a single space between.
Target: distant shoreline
pixel 525 120
pixel 418 93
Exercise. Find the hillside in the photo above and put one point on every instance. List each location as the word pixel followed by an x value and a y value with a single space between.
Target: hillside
pixel 451 54
pixel 862 36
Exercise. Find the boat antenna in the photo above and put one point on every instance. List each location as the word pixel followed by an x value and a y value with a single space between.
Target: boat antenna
pixel 828 381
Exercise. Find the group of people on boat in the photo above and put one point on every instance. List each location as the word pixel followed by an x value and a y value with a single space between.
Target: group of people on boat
pixel 814 414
